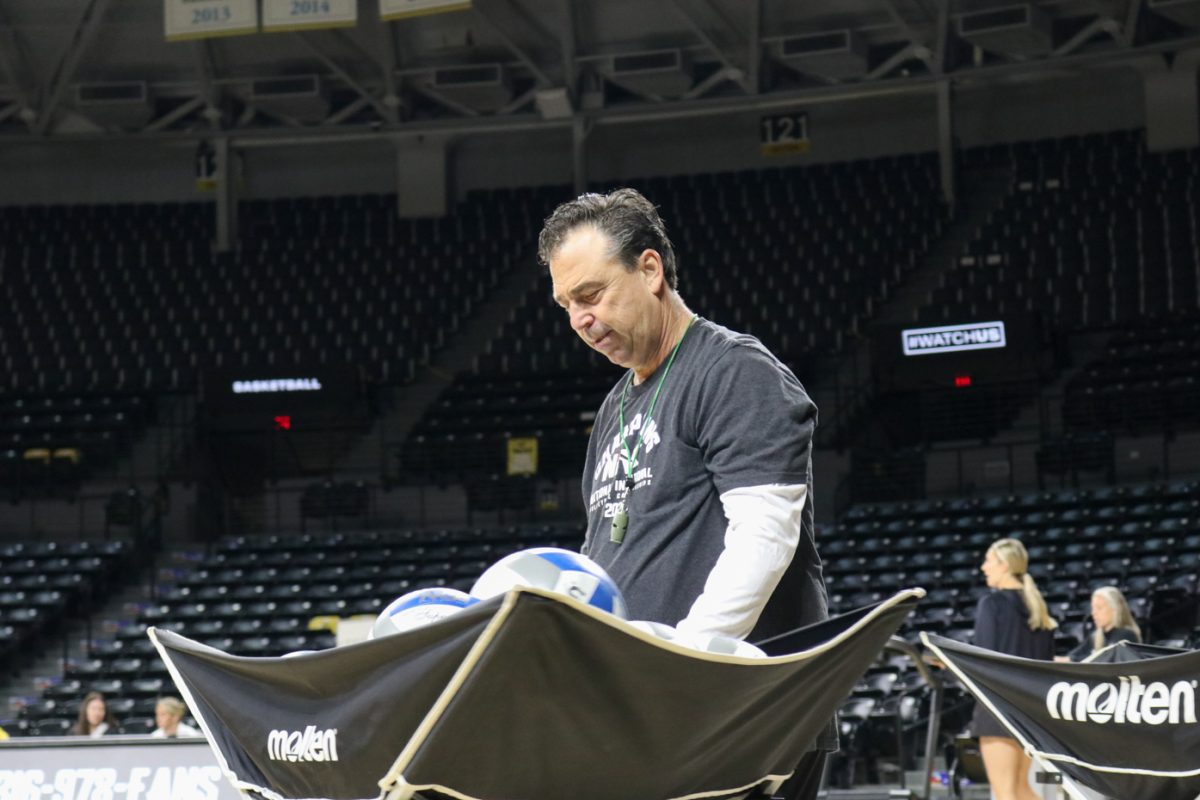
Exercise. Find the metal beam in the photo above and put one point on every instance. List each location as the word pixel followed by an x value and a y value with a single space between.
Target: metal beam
pixel 540 76
pixel 945 115
pixel 580 128
pixel 942 47
pixel 441 99
pixel 471 123
pixel 348 41
pixel 516 10
pixel 907 52
pixel 14 63
pixel 714 11
pixel 701 88
pixel 518 102
pixel 1097 25
pixel 346 77
pixel 227 202
pixel 391 87
pixel 1132 16
pixel 291 122
pixel 346 111
pixel 754 54
pixel 85 32
pixel 731 68
pixel 174 115
pixel 567 39
pixel 206 69
pixel 901 22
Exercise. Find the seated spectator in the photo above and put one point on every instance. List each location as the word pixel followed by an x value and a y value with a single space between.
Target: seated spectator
pixel 1114 623
pixel 95 720
pixel 168 713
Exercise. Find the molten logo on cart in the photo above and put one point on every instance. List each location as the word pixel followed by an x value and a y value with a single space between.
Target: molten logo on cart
pixel 1130 702
pixel 311 745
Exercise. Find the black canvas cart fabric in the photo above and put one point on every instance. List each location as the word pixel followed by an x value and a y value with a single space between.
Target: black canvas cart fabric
pixel 1126 729
pixel 1122 652
pixel 531 696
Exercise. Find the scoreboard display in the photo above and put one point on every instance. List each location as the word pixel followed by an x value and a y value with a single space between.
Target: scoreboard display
pixel 283 398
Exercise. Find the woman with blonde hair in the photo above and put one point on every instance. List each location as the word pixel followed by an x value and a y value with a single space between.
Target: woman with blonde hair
pixel 1012 619
pixel 168 714
pixel 1114 623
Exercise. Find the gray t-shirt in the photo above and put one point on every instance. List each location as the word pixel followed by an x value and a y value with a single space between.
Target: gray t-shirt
pixel 729 415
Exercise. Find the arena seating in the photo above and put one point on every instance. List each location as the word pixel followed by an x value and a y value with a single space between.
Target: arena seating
pixel 1139 538
pixel 333 279
pixel 1147 379
pixel 1093 235
pixel 801 258
pixel 270 595
pixel 44 585
pixel 54 441
pixel 1142 539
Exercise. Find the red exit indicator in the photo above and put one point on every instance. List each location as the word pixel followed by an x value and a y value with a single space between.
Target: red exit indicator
pixel 283 422
pixel 962 381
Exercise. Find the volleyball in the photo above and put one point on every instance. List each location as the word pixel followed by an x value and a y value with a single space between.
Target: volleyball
pixel 554 569
pixel 419 608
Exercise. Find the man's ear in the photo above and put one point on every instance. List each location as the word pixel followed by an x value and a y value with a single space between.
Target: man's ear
pixel 650 266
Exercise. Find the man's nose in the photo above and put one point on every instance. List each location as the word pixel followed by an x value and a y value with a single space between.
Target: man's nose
pixel 581 320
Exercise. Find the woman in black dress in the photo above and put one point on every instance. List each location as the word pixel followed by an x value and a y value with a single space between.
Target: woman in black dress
pixel 1012 619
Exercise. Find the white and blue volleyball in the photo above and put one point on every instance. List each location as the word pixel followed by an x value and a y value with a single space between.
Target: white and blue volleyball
pixel 419 608
pixel 554 569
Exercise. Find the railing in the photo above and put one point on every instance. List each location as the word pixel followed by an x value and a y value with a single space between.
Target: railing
pixel 898 645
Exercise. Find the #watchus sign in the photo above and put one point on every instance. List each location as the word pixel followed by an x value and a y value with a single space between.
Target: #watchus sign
pixel 954 338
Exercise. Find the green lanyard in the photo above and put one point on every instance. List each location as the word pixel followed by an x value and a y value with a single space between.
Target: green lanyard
pixel 621 519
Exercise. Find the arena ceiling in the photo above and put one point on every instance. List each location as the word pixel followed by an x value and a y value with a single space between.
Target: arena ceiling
pixel 72 69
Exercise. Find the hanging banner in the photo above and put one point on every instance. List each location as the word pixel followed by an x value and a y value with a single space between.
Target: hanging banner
pixel 200 19
pixel 1126 729
pixel 296 15
pixel 403 9
pixel 530 695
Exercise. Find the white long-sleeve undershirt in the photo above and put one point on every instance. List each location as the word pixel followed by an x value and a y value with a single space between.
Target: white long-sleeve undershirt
pixel 760 541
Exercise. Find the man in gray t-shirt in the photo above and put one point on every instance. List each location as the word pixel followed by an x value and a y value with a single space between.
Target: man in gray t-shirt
pixel 698 471
pixel 729 417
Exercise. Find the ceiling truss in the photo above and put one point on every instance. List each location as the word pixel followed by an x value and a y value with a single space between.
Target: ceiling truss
pixel 384 89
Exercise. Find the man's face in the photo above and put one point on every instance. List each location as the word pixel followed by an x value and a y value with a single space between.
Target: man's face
pixel 616 311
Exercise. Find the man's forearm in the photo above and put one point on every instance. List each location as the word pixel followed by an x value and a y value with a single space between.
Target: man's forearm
pixel 760 541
